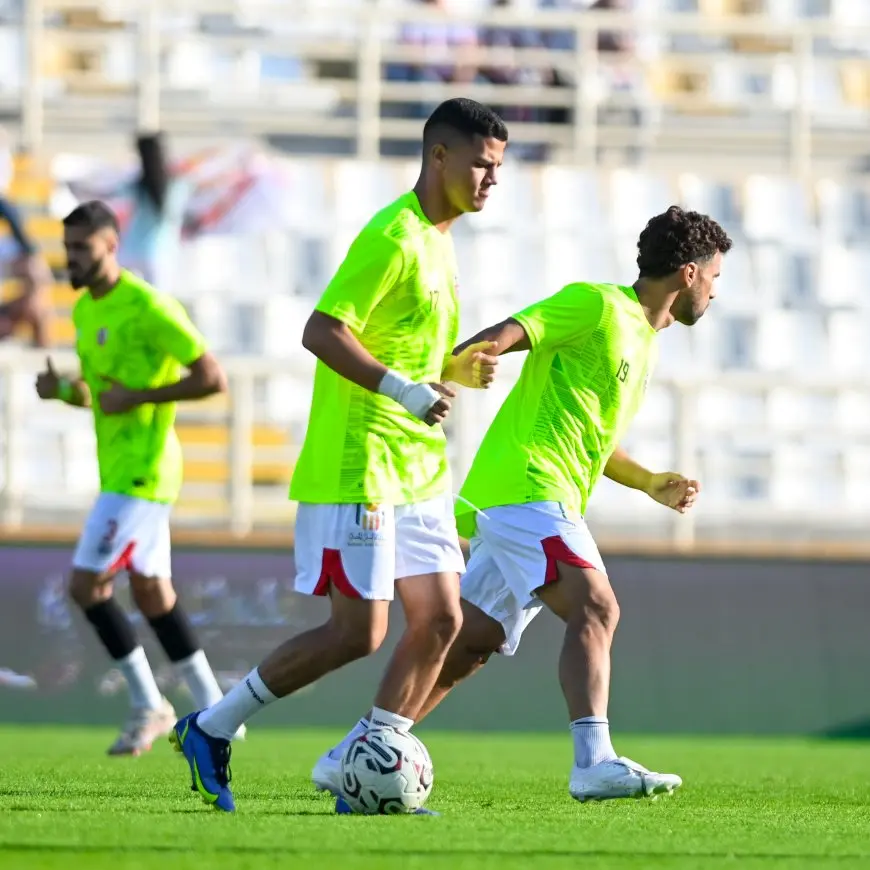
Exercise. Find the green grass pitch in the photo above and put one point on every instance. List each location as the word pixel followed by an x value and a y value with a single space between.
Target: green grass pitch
pixel 746 803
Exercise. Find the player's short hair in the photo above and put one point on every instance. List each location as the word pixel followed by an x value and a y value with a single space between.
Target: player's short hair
pixel 671 240
pixel 92 216
pixel 466 117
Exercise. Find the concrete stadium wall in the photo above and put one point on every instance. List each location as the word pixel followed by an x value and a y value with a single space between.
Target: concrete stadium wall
pixel 722 645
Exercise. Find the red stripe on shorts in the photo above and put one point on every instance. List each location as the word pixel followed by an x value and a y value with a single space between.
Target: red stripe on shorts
pixel 556 550
pixel 332 570
pixel 124 561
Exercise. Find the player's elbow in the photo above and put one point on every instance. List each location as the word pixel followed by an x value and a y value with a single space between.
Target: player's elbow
pixel 210 374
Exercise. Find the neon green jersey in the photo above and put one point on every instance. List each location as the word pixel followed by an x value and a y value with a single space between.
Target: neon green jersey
pixel 141 338
pixel 396 291
pixel 592 351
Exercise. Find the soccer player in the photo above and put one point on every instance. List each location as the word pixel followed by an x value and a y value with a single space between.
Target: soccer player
pixel 591 350
pixel 376 509
pixel 133 342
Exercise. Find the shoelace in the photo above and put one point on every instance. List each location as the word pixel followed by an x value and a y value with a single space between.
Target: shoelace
pixel 220 758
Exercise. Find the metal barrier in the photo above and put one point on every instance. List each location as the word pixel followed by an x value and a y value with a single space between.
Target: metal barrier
pixel 626 521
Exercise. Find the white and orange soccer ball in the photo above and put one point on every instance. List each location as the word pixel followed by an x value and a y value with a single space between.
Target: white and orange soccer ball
pixel 386 772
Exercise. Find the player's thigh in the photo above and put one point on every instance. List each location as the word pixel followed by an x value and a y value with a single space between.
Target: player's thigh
pixel 494 619
pixel 429 562
pixel 536 544
pixel 347 549
pixel 348 552
pixel 115 527
pixel 150 558
pixel 575 582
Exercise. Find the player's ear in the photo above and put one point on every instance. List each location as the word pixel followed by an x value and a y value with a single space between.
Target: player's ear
pixel 438 155
pixel 689 274
pixel 112 241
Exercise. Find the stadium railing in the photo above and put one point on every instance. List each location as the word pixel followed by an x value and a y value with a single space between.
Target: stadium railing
pixel 235 503
pixel 781 92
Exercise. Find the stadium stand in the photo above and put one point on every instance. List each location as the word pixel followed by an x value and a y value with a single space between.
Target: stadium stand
pixel 753 112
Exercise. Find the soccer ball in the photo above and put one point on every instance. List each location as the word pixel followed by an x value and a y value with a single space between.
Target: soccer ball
pixel 386 772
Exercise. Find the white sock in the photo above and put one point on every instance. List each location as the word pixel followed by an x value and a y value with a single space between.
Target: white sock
pixel 199 677
pixel 225 717
pixel 144 692
pixel 393 720
pixel 360 728
pixel 592 741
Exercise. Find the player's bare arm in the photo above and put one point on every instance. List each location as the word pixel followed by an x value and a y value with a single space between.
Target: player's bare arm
pixel 668 488
pixel 50 384
pixel 335 345
pixel 205 377
pixel 505 337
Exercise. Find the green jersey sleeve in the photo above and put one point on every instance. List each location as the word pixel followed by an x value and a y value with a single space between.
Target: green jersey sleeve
pixel 562 318
pixel 373 265
pixel 172 330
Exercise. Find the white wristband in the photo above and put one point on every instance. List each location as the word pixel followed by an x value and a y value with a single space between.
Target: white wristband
pixel 417 399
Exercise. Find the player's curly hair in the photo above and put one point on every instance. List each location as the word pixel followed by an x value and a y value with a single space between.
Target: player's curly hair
pixel 677 237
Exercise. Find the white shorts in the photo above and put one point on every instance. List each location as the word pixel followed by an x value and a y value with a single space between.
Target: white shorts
pixel 126 533
pixel 516 551
pixel 363 549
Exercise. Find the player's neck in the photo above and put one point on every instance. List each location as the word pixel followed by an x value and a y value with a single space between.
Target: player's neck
pixel 105 285
pixel 656 302
pixel 439 212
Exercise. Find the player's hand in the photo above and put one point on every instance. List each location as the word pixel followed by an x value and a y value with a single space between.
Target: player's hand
pixel 674 491
pixel 439 411
pixel 117 399
pixel 47 382
pixel 474 367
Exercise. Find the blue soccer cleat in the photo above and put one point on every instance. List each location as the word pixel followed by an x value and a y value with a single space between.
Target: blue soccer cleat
pixel 342 808
pixel 209 760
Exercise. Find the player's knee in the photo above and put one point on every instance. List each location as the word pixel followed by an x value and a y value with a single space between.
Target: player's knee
pixel 358 640
pixel 601 610
pixel 441 627
pixel 87 589
pixel 153 596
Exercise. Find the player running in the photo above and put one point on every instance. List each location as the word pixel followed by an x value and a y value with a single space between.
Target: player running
pixel 376 509
pixel 591 350
pixel 132 342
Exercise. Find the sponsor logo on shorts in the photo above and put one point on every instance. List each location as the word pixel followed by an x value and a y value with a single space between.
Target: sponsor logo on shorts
pixel 371 519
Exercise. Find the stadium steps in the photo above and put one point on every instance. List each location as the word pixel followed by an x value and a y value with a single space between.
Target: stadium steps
pixel 206 454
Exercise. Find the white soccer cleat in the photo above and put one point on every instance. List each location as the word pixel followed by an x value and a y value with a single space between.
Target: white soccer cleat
pixel 619 778
pixel 142 728
pixel 326 775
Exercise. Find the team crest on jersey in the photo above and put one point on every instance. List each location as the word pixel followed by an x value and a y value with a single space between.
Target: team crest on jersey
pixel 102 334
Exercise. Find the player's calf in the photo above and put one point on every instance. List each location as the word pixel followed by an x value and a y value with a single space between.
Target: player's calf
pixel 151 715
pixel 356 629
pixel 158 603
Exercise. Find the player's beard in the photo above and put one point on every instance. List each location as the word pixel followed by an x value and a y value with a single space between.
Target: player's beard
pixel 87 278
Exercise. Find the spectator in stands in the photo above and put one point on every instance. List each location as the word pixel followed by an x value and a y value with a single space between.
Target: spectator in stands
pixel 151 241
pixel 462 39
pixel 32 307
pixel 621 76
pixel 522 38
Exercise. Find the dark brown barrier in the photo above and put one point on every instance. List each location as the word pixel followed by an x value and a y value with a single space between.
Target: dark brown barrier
pixel 705 645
